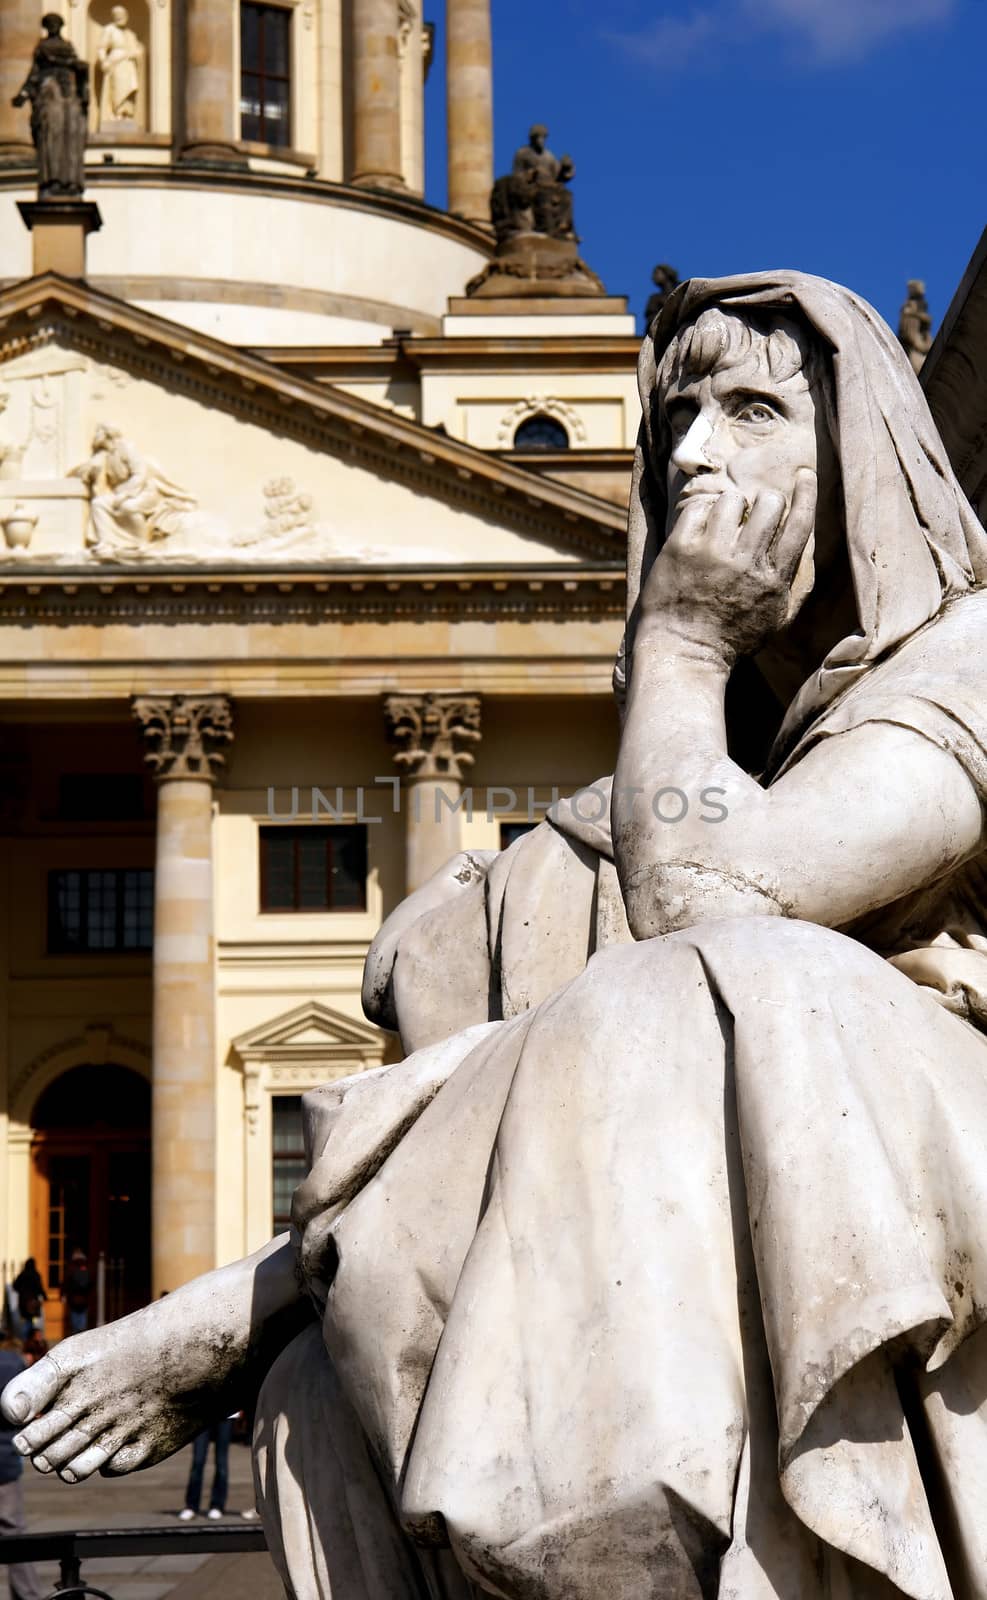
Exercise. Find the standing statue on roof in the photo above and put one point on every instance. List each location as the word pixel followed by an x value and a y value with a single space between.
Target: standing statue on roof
pixel 58 89
pixel 915 324
pixel 665 279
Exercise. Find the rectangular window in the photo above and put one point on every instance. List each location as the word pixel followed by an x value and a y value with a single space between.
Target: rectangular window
pixel 100 909
pixel 287 1155
pixel 265 74
pixel 319 868
pixel 511 831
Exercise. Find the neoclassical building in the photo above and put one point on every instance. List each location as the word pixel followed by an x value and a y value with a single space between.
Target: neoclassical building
pixel 310 573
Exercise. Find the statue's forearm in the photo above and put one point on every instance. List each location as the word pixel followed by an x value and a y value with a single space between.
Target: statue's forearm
pixel 229 1325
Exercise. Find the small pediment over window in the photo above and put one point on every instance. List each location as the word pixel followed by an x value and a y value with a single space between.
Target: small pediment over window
pixel 309 1034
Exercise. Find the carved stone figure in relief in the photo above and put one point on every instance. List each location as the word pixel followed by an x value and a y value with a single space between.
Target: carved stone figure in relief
pixel 133 504
pixel 11 455
pixel 58 88
pixel 659 1266
pixel 121 66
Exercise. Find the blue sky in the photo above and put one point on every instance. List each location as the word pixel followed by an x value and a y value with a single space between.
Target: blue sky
pixel 843 137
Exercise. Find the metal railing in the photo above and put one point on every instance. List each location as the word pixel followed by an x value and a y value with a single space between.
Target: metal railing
pixel 70 1549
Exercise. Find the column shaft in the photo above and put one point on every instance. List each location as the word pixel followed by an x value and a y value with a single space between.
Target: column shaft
pixel 469 108
pixel 432 827
pixel 20 30
pixel 210 85
pixel 376 95
pixel 183 1090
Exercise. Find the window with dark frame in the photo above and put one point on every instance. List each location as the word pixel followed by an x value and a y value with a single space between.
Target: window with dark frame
pixel 510 832
pixel 541 432
pixel 287 1155
pixel 265 74
pixel 318 868
pixel 100 909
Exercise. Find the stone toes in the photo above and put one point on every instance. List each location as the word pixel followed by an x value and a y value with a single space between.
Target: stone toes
pixel 61 1450
pixel 86 1463
pixel 40 1433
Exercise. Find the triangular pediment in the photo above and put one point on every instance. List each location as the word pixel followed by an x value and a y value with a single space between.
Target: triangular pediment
pixel 309 1032
pixel 130 442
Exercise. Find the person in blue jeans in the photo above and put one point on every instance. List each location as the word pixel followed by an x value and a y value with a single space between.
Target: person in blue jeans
pixel 23 1579
pixel 219 1434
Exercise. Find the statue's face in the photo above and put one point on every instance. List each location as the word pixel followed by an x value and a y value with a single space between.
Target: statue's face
pixel 741 428
pixel 538 137
pixel 119 16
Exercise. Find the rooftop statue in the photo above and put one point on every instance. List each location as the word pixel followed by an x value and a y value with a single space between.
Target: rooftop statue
pixel 659 1266
pixel 533 198
pixel 665 279
pixel 915 324
pixel 58 89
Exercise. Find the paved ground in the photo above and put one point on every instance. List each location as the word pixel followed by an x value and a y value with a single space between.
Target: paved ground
pixel 150 1499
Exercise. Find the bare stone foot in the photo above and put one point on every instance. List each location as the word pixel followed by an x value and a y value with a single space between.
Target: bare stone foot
pixel 113 1399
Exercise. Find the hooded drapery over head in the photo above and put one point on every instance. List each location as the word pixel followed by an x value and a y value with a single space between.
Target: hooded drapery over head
pixel 912 537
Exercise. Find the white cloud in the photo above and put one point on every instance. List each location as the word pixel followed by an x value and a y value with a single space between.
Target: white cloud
pixel 833 30
pixel 672 41
pixel 838 29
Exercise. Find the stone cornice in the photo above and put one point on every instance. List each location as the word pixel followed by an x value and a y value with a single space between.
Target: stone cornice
pixel 122 596
pixel 38 310
pixel 563 352
pixel 317 191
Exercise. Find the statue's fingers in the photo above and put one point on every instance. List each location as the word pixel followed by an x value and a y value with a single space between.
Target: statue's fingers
pixel 798 526
pixel 35 1389
pixel 726 521
pixel 87 1462
pixel 39 1434
pixel 61 1450
pixel 762 526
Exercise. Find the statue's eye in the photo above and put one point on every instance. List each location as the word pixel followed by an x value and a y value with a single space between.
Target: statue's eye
pixel 757 411
pixel 680 419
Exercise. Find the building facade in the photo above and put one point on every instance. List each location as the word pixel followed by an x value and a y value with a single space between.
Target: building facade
pixel 311 574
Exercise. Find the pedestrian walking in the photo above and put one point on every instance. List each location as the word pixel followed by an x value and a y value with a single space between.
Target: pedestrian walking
pixel 23 1579
pixel 76 1291
pixel 30 1291
pixel 219 1434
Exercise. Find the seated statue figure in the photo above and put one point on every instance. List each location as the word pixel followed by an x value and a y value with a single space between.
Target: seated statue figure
pixel 658 1268
pixel 533 197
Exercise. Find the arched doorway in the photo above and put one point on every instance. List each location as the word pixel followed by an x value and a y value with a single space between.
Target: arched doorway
pixel 91 1185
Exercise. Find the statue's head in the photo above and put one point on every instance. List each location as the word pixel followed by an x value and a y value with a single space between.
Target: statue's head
pixel 744 402
pixel 916 289
pixel 538 137
pixel 104 436
pixel 119 16
pixel 52 24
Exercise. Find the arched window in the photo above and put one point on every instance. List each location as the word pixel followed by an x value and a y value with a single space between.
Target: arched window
pixel 541 432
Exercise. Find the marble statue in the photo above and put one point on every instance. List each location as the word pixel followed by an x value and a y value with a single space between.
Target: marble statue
pixel 659 1266
pixel 915 324
pixel 534 197
pixel 58 89
pixel 121 64
pixel 132 504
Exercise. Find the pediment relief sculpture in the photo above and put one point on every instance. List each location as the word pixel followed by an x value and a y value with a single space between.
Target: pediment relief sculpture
pixel 132 504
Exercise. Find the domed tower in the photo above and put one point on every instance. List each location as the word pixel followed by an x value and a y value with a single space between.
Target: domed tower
pixel 259 167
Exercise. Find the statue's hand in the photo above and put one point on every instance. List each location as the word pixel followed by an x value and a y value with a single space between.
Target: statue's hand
pixel 19 100
pixel 723 580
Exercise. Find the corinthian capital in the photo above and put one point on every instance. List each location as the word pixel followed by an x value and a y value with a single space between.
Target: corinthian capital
pixel 184 733
pixel 429 730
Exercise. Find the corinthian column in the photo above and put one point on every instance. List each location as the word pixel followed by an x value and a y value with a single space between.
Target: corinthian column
pixel 20 30
pixel 184 735
pixel 376 95
pixel 469 108
pixel 430 731
pixel 210 86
